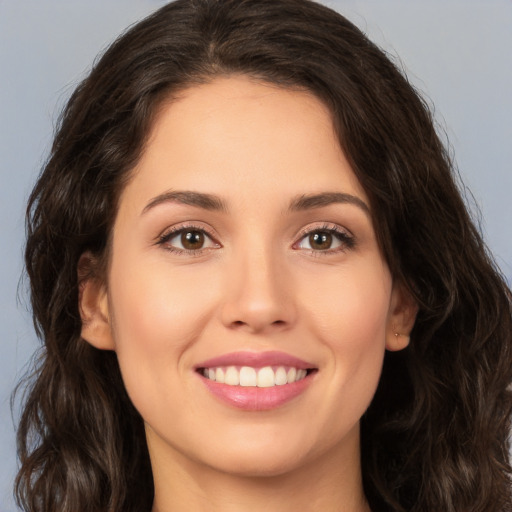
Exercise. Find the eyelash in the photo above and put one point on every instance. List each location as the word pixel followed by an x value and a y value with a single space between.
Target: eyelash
pixel 164 239
pixel 347 240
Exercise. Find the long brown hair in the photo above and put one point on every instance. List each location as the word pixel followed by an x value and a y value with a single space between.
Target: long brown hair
pixel 435 437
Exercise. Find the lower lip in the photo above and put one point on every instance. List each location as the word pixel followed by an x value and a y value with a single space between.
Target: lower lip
pixel 257 399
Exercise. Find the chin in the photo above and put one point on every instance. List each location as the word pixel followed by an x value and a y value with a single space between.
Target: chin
pixel 264 453
pixel 260 465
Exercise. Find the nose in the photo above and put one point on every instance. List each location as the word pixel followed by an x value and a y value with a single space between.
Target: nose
pixel 259 295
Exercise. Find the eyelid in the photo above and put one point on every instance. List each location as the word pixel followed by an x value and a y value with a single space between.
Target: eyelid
pixel 345 236
pixel 175 230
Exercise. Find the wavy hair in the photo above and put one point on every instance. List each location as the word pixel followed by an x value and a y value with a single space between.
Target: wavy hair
pixel 435 437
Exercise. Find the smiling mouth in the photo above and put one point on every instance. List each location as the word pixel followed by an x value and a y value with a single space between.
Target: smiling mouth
pixel 248 376
pixel 256 381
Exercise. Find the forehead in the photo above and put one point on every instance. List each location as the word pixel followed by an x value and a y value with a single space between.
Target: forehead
pixel 236 134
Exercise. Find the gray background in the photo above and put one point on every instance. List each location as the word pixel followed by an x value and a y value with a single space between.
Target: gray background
pixel 458 52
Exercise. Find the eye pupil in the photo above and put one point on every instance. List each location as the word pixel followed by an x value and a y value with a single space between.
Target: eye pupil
pixel 192 239
pixel 320 240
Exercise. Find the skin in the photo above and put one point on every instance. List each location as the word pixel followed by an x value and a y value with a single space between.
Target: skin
pixel 257 284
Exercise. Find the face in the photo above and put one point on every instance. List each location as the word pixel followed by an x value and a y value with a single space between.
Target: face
pixel 247 299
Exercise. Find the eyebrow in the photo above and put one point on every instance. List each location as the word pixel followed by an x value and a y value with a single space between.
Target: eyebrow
pixel 199 199
pixel 311 201
pixel 215 203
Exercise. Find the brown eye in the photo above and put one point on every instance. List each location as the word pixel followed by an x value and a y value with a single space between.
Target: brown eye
pixel 188 240
pixel 326 239
pixel 320 240
pixel 192 240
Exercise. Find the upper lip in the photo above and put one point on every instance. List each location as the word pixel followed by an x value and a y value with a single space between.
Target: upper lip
pixel 256 360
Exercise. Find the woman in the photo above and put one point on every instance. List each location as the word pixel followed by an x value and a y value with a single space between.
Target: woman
pixel 257 283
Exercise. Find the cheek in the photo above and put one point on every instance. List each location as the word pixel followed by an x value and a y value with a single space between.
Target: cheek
pixel 156 315
pixel 349 314
pixel 351 305
pixel 155 306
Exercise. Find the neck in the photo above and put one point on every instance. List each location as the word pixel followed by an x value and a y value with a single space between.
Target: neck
pixel 330 483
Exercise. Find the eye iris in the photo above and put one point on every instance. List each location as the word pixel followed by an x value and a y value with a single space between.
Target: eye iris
pixel 192 239
pixel 320 240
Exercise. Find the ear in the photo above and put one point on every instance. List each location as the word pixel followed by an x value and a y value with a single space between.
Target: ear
pixel 93 305
pixel 402 315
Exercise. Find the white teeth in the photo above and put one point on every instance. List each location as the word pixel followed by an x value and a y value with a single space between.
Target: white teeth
pixel 247 376
pixel 281 376
pixel 266 377
pixel 232 376
pixel 219 375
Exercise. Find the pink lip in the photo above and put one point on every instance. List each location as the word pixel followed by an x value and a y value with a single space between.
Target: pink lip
pixel 254 398
pixel 256 360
